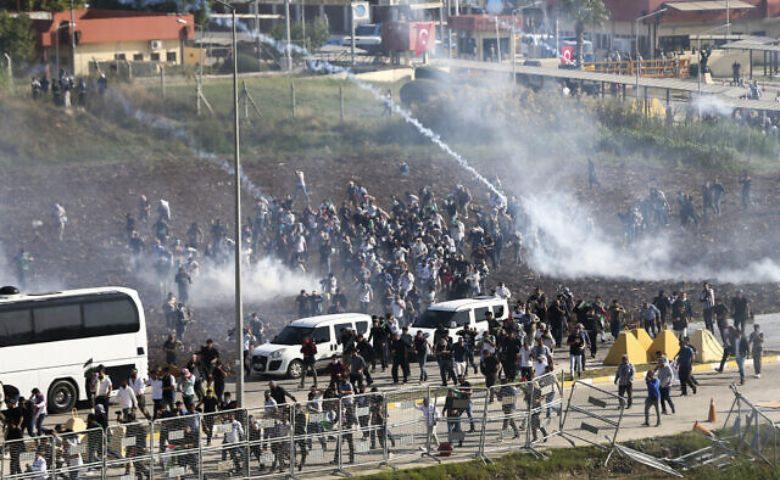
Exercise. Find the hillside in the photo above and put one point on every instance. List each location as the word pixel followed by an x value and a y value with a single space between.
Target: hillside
pixel 97 163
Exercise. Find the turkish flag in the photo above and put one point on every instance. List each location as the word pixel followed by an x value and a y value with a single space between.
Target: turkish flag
pixel 423 34
pixel 567 54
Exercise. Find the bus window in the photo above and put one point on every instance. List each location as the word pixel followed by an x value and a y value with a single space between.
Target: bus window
pixel 15 328
pixel 109 318
pixel 57 323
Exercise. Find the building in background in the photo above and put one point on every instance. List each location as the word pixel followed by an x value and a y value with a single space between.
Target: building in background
pixel 111 36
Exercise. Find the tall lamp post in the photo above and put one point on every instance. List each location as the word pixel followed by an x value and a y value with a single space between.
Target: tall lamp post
pixel 239 320
pixel 72 41
pixel 535 3
pixel 636 46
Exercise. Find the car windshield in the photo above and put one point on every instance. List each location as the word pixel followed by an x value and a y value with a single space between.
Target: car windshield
pixel 293 335
pixel 434 318
pixel 365 30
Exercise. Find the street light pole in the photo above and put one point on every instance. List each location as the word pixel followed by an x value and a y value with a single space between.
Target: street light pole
pixel 636 46
pixel 287 52
pixel 239 326
pixel 72 41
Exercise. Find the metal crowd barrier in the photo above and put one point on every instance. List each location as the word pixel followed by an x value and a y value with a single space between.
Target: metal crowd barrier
pixel 748 428
pixel 321 435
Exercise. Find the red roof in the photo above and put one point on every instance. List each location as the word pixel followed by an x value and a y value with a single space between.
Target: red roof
pixel 112 26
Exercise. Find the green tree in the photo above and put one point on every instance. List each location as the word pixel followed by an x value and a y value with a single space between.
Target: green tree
pixel 584 12
pixel 316 33
pixel 16 37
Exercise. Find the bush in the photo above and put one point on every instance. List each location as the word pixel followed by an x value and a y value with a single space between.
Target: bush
pixel 420 91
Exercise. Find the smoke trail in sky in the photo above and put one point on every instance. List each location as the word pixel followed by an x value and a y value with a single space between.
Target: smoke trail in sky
pixel 323 66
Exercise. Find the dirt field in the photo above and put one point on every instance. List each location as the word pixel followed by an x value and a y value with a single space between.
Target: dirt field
pixel 111 175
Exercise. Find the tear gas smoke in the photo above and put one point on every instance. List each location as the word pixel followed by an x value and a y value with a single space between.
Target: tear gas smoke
pixel 323 66
pixel 266 278
pixel 712 105
pixel 171 127
pixel 566 243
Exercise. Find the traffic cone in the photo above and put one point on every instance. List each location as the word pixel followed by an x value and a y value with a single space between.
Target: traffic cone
pixel 698 427
pixel 712 417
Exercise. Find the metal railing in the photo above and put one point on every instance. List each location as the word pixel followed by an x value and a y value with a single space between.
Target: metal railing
pixel 660 68
pixel 319 436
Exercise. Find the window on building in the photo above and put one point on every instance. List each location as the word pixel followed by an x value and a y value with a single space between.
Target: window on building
pixel 155 57
pixel 170 57
pixel 119 56
pixel 138 57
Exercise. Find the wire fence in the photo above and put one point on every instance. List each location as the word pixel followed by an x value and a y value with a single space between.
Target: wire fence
pixel 319 436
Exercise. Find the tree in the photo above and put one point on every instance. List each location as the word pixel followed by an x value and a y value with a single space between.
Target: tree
pixel 584 12
pixel 16 37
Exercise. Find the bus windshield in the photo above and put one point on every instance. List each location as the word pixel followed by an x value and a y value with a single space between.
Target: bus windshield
pixel 291 335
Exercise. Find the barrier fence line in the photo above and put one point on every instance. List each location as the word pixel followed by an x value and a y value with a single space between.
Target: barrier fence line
pixel 364 429
pixel 748 427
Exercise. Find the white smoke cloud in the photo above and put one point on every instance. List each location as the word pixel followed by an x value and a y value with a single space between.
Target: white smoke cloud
pixel 712 105
pixel 568 244
pixel 262 281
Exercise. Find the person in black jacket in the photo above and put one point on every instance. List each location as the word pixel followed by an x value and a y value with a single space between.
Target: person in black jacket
pixel 400 349
pixel 378 335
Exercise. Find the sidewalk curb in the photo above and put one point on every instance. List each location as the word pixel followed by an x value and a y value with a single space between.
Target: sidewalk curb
pixel 699 368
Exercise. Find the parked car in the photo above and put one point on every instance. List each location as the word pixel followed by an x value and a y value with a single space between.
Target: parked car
pixel 282 355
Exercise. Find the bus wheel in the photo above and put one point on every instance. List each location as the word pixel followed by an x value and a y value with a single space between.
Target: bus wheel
pixel 295 370
pixel 62 396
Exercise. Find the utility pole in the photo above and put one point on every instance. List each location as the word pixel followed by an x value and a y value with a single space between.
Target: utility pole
pixel 72 40
pixel 288 49
pixel 352 27
pixel 239 320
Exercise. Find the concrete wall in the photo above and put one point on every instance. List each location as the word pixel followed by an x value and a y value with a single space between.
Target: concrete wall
pixel 103 52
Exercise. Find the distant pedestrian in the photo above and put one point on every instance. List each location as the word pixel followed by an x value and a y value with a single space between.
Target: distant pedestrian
pixel 653 399
pixel 756 342
pixel 624 379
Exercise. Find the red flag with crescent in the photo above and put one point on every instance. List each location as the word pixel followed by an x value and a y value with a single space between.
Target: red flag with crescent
pixel 423 34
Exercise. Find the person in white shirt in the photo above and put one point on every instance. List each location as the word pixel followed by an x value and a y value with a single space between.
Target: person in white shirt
pixel 139 390
pixel 399 310
pixel 104 388
pixel 155 381
pixel 526 361
pixel 234 432
pixel 431 418
pixel 540 366
pixel 125 396
pixel 503 292
pixel 300 187
pixel 366 294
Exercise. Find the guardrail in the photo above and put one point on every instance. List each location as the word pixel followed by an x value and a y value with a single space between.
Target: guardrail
pixel 322 435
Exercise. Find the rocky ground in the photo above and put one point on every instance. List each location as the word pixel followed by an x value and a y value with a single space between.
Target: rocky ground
pixel 97 195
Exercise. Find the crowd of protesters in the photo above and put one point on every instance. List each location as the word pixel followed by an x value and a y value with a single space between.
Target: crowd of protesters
pixel 66 90
pixel 394 264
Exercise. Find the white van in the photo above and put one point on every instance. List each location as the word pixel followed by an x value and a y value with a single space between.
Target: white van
pixel 282 356
pixel 457 314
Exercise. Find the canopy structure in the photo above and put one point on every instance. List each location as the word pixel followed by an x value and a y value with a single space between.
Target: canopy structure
pixel 709 5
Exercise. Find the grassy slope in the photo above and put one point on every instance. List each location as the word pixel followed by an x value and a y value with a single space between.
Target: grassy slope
pixel 584 462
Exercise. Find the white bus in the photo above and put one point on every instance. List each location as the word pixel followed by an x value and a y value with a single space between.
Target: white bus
pixel 48 339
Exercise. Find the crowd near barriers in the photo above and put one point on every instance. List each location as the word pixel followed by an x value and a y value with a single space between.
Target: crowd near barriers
pixel 320 436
